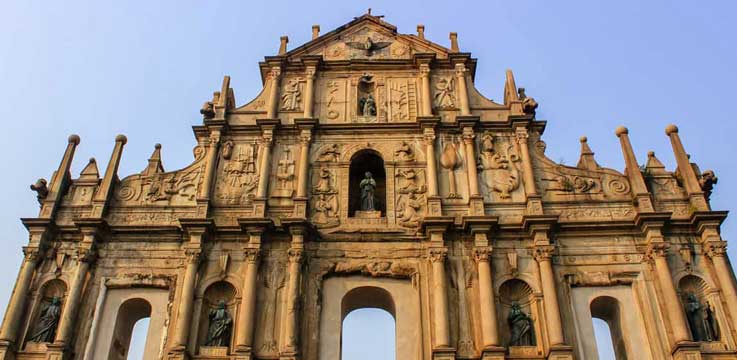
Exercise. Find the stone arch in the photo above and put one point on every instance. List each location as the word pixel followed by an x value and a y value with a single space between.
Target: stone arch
pixel 129 313
pixel 608 309
pixel 343 294
pixel 217 292
pixel 367 160
pixel 514 292
pixel 47 292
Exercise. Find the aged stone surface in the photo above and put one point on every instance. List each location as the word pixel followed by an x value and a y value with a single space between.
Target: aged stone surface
pixel 370 172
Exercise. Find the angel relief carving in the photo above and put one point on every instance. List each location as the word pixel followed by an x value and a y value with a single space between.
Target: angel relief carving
pixel 445 98
pixel 239 181
pixel 325 200
pixel 498 165
pixel 156 187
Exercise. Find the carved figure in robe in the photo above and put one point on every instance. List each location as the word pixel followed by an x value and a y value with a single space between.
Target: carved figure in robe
pixel 701 328
pixel 324 184
pixel 367 105
pixel 712 327
pixel 330 153
pixel 408 211
pixel 404 152
pixel 218 334
pixel 324 211
pixel 45 329
pixel 368 189
pixel 292 95
pixel 521 327
pixel 445 98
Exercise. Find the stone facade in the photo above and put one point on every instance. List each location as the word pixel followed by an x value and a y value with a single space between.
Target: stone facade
pixel 478 244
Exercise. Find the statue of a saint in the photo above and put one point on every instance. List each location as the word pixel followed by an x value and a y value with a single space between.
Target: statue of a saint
pixel 700 320
pixel 220 323
pixel 521 327
pixel 45 329
pixel 712 327
pixel 368 187
pixel 367 105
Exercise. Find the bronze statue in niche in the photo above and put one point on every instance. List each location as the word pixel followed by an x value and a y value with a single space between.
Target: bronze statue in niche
pixel 368 188
pixel 45 329
pixel 218 333
pixel 366 99
pixel 367 185
pixel 701 320
pixel 521 327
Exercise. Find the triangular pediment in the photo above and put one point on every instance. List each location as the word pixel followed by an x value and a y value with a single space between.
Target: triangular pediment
pixel 367 38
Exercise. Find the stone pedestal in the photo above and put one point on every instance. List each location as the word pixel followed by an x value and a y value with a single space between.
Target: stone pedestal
pixel 523 352
pixel 443 353
pixel 300 208
pixel 56 352
pixel 367 214
pixel 561 352
pixel 219 351
pixel 493 353
pixel 259 207
pixel 6 351
pixel 687 351
pixel 476 205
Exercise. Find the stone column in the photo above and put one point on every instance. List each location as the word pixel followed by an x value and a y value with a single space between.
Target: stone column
pixel 460 72
pixel 304 162
pixel 717 252
pixel 186 301
pixel 528 175
pixel 309 91
pixel 473 179
pixel 657 252
pixel 265 164
pixel 489 325
pixel 273 100
pixel 85 257
pixel 543 256
pixel 432 173
pixel 247 311
pixel 439 289
pixel 291 323
pixel 426 109
pixel 210 165
pixel 17 303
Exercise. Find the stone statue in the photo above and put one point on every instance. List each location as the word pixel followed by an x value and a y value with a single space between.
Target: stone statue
pixel 407 212
pixel 41 188
pixel 521 328
pixel 702 328
pixel 220 323
pixel 712 327
pixel 529 105
pixel 367 105
pixel 369 46
pixel 45 329
pixel 368 187
pixel 707 181
pixel 208 110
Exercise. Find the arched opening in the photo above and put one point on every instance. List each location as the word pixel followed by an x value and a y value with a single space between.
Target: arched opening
pixel 129 313
pixel 138 339
pixel 217 318
pixel 700 310
pixel 517 302
pixel 606 309
pixel 367 198
pixel 368 324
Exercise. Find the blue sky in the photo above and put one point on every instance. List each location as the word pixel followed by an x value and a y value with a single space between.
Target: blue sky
pixel 99 68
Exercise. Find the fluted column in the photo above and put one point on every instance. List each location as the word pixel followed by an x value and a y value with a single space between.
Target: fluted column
pixel 657 252
pixel 273 100
pixel 9 331
pixel 489 325
pixel 186 301
pixel 543 256
pixel 717 252
pixel 309 91
pixel 528 176
pixel 290 338
pixel 460 72
pixel 304 160
pixel 426 109
pixel 210 165
pixel 71 307
pixel 432 173
pixel 473 179
pixel 247 311
pixel 439 289
pixel 265 164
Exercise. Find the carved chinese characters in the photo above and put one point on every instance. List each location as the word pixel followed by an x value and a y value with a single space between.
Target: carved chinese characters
pixel 291 97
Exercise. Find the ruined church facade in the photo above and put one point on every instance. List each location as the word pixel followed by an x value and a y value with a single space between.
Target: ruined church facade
pixel 370 172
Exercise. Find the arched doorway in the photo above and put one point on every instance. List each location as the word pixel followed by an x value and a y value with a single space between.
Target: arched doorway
pixel 369 327
pixel 363 162
pixel 130 312
pixel 607 309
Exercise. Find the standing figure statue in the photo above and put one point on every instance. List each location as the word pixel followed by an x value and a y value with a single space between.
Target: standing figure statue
pixel 367 105
pixel 220 323
pixel 368 188
pixel 45 329
pixel 701 327
pixel 521 327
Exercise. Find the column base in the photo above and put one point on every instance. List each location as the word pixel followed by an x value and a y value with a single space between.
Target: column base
pixel 259 208
pixel 476 205
pixel 561 352
pixel 179 353
pixel 687 351
pixel 242 352
pixel 493 353
pixel 288 356
pixel 300 208
pixel 534 205
pixel 444 353
pixel 434 206
pixel 56 352
pixel 6 351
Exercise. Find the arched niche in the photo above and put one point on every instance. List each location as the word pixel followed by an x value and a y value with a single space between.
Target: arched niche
pixel 518 305
pixel 129 313
pixel 47 312
pixel 367 297
pixel 364 161
pixel 217 319
pixel 700 308
pixel 608 309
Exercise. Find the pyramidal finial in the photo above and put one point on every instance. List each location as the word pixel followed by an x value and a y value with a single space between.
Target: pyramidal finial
pixel 90 172
pixel 586 160
pixel 653 165
pixel 154 163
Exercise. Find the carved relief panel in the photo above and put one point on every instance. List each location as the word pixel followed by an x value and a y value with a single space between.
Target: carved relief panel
pixel 499 168
pixel 237 175
pixel 444 95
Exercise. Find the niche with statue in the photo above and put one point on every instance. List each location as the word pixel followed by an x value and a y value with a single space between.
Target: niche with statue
pixel 367 186
pixel 366 104
pixel 217 319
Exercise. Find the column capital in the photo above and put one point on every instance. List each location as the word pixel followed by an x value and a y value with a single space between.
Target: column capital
pixel 714 249
pixel 305 136
pixel 428 136
pixel 482 254
pixel 274 72
pixel 295 255
pixel 252 255
pixel 468 135
pixel 31 254
pixel 543 252
pixel 437 255
pixel 656 249
pixel 460 69
pixel 194 256
pixel 86 255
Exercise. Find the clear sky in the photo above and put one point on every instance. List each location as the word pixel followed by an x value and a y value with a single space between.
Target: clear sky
pixel 100 68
